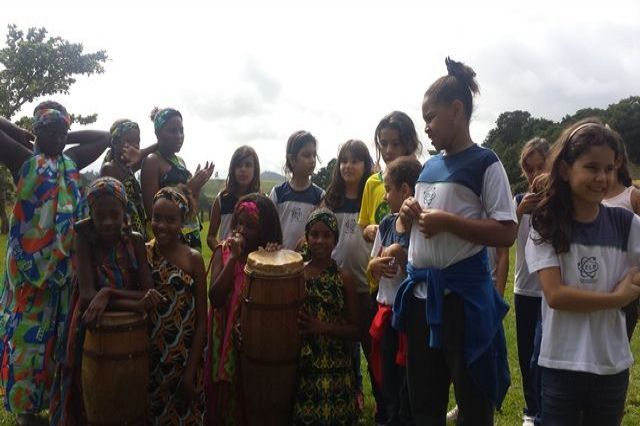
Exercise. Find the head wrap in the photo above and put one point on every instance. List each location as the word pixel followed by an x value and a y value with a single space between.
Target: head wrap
pixel 106 186
pixel 176 197
pixel 325 216
pixel 162 116
pixel 47 117
pixel 118 130
pixel 249 207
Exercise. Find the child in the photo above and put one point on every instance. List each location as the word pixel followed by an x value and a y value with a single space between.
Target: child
pixel 328 322
pixel 178 328
pixel 164 168
pixel 243 178
pixel 344 198
pixel 255 224
pixel 462 204
pixel 111 272
pixel 296 198
pixel 527 291
pixel 387 266
pixel 395 136
pixel 582 252
pixel 126 133
pixel 622 193
pixel 34 300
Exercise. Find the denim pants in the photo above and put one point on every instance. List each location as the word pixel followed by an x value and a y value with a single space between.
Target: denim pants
pixel 527 311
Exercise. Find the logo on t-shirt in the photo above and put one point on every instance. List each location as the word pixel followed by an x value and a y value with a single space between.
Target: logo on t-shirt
pixel 588 268
pixel 428 196
pixel 296 214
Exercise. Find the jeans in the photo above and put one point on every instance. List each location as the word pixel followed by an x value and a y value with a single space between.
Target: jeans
pixel 527 311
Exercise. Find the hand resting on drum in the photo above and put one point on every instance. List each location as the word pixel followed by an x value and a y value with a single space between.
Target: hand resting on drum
pixel 101 300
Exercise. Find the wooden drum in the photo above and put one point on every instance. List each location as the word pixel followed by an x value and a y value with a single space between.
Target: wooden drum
pixel 115 369
pixel 272 296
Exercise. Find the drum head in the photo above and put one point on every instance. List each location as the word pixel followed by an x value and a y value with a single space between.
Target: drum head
pixel 274 263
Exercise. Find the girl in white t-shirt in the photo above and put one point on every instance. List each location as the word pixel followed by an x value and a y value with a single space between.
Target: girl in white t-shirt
pixel 582 252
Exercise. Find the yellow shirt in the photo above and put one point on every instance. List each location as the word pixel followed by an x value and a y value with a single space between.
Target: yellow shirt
pixel 373 209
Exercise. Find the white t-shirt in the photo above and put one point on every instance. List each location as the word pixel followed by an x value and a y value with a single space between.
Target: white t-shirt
pixel 386 236
pixel 599 256
pixel 352 251
pixel 294 208
pixel 227 205
pixel 526 284
pixel 472 184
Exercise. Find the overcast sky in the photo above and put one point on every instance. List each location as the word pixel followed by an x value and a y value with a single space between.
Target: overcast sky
pixel 254 74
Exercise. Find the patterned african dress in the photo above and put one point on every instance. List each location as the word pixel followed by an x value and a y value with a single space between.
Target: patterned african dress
pixel 135 208
pixel 327 382
pixel 34 300
pixel 176 175
pixel 172 329
pixel 116 268
pixel 222 376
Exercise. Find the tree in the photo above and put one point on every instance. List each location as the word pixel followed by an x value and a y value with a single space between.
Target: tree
pixel 624 117
pixel 323 177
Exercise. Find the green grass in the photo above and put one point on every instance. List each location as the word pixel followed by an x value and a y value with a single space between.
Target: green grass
pixel 511 413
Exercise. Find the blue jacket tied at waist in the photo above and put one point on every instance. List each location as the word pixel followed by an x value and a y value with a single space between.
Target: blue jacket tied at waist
pixel 485 347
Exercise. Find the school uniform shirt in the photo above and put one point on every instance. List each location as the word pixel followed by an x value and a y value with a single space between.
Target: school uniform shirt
pixel 526 283
pixel 294 207
pixel 227 204
pixel 599 256
pixel 374 207
pixel 387 236
pixel 352 251
pixel 472 184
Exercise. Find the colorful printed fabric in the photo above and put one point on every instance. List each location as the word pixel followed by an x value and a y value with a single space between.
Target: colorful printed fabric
pixel 176 175
pixel 223 386
pixel 135 208
pixel 325 216
pixel 48 117
pixel 121 129
pixel 162 116
pixel 106 186
pixel 115 268
pixel 327 382
pixel 35 297
pixel 176 197
pixel 172 327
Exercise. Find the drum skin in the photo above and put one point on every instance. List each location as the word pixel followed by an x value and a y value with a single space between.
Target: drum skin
pixel 115 369
pixel 270 341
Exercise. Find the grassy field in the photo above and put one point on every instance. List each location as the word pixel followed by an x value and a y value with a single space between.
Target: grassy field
pixel 511 413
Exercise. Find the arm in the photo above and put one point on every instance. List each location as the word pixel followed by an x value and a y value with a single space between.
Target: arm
pixel 150 181
pixel 84 273
pixel 486 232
pixel 502 268
pixel 90 145
pixel 214 224
pixel 635 201
pixel 563 297
pixel 222 275
pixel 134 157
pixel 13 154
pixel 17 133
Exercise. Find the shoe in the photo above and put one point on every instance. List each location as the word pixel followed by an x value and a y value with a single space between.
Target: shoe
pixel 452 415
pixel 528 421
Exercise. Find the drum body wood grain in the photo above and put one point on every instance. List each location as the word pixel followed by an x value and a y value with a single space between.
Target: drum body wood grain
pixel 115 369
pixel 270 338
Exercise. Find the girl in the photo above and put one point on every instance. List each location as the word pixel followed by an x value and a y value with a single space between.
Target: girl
pixel 622 193
pixel 582 252
pixel 243 178
pixel 344 198
pixel 328 321
pixel 178 328
pixel 297 197
pixel 462 204
pixel 126 133
pixel 34 299
pixel 164 168
pixel 527 291
pixel 255 223
pixel 112 272
pixel 387 266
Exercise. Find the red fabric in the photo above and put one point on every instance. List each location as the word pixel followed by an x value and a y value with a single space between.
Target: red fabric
pixel 380 322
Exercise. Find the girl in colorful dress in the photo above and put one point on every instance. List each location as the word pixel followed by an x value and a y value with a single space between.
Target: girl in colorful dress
pixel 243 178
pixel 34 300
pixel 296 198
pixel 164 168
pixel 583 253
pixel 178 327
pixel 111 273
pixel 328 323
pixel 254 224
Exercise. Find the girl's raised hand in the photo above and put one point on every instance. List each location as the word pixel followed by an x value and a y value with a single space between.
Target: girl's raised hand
pixel 236 245
pixel 131 156
pixel 433 221
pixel 201 176
pixel 528 203
pixel 309 324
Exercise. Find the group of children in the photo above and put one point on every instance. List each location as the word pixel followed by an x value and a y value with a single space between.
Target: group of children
pixel 406 261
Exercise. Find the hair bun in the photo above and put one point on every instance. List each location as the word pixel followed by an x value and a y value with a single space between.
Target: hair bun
pixel 462 72
pixel 154 112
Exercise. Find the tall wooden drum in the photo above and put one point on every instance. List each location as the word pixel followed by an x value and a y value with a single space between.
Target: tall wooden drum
pixel 115 369
pixel 272 296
